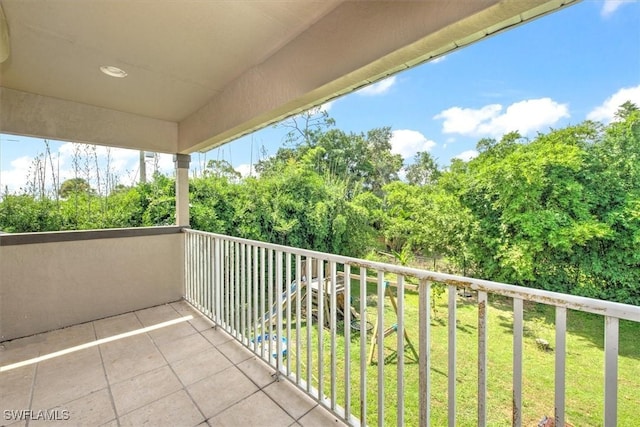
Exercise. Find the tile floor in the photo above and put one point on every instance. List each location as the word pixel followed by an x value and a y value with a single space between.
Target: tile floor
pixel 182 374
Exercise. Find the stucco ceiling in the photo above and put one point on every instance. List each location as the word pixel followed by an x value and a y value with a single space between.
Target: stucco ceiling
pixel 177 54
pixel 203 72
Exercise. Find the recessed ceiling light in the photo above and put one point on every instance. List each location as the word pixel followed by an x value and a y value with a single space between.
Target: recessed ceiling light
pixel 112 71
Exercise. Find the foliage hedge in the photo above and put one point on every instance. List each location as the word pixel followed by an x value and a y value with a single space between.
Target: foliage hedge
pixel 559 212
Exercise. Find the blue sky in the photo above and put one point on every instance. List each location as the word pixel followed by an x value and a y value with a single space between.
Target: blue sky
pixel 576 64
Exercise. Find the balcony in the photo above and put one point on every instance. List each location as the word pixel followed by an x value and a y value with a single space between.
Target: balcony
pixel 170 326
pixel 63 290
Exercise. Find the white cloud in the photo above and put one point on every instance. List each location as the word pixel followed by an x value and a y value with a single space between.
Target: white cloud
pixel 244 169
pixel 438 59
pixel 23 169
pixel 123 164
pixel 610 6
pixel 466 121
pixel 467 155
pixel 16 177
pixel 606 111
pixel 378 88
pixel 408 142
pixel 120 159
pixel 166 164
pixel 525 117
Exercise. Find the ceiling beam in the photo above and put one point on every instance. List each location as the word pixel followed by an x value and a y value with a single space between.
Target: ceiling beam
pixel 23 113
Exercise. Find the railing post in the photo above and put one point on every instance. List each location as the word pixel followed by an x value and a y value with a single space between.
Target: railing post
pixel 210 265
pixel 287 284
pixel 199 278
pixel 187 268
pixel 268 309
pixel 249 290
pixel 333 312
pixel 517 362
pixel 382 286
pixel 561 343
pixel 237 290
pixel 243 294
pixel 363 346
pixel 483 312
pixel 400 350
pixel 278 305
pixel 347 341
pixel 309 323
pixel 611 371
pixel 219 265
pixel 424 328
pixel 256 288
pixel 453 358
pixel 321 320
pixel 263 302
pixel 299 275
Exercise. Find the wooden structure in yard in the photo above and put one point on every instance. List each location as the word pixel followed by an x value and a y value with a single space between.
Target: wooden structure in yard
pixel 391 329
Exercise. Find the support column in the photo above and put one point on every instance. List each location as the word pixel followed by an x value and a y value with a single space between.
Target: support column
pixel 182 188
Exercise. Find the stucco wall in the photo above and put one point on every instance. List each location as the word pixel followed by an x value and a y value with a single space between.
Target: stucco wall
pixel 46 286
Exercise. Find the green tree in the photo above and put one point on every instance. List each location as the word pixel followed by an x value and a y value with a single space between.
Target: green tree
pixel 384 164
pixel 609 267
pixel 211 198
pixel 303 128
pixel 559 212
pixel 26 214
pixel 298 207
pixel 75 186
pixel 424 169
pixel 363 161
pixel 530 207
pixel 222 169
pixel 626 110
pixel 404 208
pixel 159 200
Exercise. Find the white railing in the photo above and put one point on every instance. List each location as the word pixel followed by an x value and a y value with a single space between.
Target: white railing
pixel 292 308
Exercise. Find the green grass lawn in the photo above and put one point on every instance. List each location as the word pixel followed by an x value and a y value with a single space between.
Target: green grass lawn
pixel 584 375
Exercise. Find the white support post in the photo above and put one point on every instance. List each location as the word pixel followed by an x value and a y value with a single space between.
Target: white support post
pixel 483 313
pixel 424 352
pixel 181 162
pixel 611 347
pixel 560 370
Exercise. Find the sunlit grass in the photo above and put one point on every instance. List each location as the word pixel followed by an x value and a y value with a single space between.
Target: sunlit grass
pixel 584 362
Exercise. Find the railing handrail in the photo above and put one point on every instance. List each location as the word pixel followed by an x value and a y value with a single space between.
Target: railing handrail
pixel 15 239
pixel 574 302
